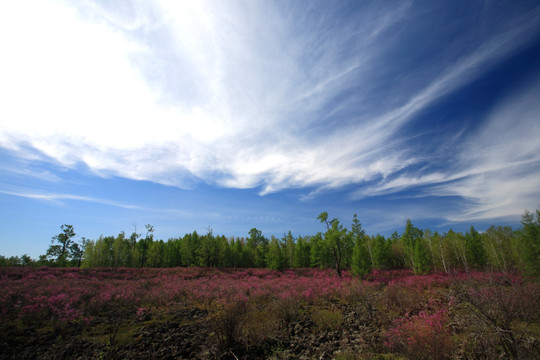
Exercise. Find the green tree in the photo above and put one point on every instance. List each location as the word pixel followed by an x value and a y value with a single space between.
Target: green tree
pixel 172 255
pixel 257 247
pixel 421 258
pixel 190 249
pixel 410 237
pixel 133 256
pixel 26 260
pixel 361 262
pixel 225 251
pixel 274 257
pixel 337 239
pixel 396 247
pixel 319 254
pixel 501 247
pixel 61 252
pixel 144 244
pixel 210 250
pixel 77 251
pixel 475 249
pixel 302 255
pixel 290 250
pixel 530 238
pixel 156 251
pixel 362 257
pixel 459 248
pixel 382 252
pixel 238 253
pixel 120 249
pixel 440 251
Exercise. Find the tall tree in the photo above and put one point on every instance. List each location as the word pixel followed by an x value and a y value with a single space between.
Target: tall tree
pixel 120 249
pixel 421 263
pixel 319 254
pixel 290 250
pixel 302 255
pixel 144 244
pixel 238 253
pixel 338 240
pixel 530 237
pixel 382 252
pixel 274 257
pixel 459 247
pixel 410 237
pixel 62 251
pixel 77 251
pixel 475 249
pixel 257 246
pixel 501 247
pixel 362 256
pixel 440 249
pixel 156 252
pixel 209 251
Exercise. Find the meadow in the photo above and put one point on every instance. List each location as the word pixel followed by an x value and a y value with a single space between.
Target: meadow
pixel 211 313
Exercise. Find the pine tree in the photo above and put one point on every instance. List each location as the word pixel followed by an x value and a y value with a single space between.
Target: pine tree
pixel 530 238
pixel 475 249
pixel 421 258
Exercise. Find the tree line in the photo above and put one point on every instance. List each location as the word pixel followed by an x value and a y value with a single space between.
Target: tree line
pixel 499 248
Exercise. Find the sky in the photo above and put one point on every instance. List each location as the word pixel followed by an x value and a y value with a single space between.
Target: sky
pixel 229 115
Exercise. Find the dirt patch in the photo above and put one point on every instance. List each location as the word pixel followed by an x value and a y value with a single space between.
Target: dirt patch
pixel 188 334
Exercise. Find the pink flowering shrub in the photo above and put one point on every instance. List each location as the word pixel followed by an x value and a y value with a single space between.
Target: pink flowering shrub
pixel 501 310
pixel 422 336
pixel 69 294
pixel 400 299
pixel 250 306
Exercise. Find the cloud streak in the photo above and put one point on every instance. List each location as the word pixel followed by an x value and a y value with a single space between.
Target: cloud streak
pixel 56 198
pixel 252 94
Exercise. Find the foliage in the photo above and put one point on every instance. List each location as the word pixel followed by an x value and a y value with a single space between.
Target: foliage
pixel 65 248
pixel 530 237
pixel 362 258
pixel 413 247
pixel 421 251
pixel 430 316
pixel 504 306
pixel 337 240
pixel 327 319
pixel 475 249
pixel 422 336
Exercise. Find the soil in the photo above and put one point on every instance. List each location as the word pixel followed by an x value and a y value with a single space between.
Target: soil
pixel 188 334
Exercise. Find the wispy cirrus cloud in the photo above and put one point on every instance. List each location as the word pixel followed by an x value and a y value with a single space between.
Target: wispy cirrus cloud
pixel 58 197
pixel 496 168
pixel 243 94
pixel 501 161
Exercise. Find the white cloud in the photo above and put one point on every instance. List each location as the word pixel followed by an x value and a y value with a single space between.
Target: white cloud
pixel 55 197
pixel 78 90
pixel 501 163
pixel 497 169
pixel 238 94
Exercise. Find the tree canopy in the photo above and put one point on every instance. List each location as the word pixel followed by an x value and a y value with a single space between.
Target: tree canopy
pixel 500 248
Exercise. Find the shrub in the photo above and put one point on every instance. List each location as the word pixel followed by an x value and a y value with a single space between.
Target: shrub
pixel 421 336
pixel 401 299
pixel 327 319
pixel 226 321
pixel 260 326
pixel 287 308
pixel 365 294
pixel 504 308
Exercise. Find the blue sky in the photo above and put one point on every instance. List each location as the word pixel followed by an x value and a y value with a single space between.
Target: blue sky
pixel 238 114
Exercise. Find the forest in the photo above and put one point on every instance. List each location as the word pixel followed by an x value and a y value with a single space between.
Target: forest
pixel 499 248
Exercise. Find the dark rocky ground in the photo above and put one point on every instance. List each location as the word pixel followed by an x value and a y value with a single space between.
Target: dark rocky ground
pixel 190 334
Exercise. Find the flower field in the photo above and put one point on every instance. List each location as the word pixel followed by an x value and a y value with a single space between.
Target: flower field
pixel 261 313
